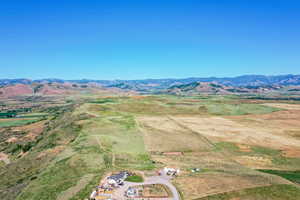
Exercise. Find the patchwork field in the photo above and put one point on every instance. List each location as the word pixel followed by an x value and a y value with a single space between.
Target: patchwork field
pixel 228 149
pixel 244 148
pixel 225 129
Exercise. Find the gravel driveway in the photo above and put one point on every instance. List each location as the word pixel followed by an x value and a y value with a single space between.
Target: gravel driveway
pixel 163 179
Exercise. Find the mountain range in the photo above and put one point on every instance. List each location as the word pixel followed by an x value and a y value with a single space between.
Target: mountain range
pixel 227 85
pixel 246 80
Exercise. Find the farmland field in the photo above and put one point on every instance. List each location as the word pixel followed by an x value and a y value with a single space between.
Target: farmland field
pixel 16 122
pixel 244 149
pixel 150 100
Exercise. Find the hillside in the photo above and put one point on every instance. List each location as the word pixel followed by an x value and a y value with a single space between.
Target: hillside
pixel 63 146
pixel 199 87
pixel 215 88
pixel 49 88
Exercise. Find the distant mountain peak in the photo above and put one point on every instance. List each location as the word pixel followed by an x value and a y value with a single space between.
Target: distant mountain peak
pixel 153 85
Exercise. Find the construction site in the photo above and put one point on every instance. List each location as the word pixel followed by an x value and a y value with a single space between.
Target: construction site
pixel 119 186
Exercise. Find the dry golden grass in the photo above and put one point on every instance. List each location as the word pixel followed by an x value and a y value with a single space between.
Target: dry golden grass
pixel 154 190
pixel 257 162
pixel 204 160
pixel 291 153
pixel 284 106
pixel 162 134
pixel 194 187
pixel 222 170
pixel 244 148
pixel 218 173
pixel 226 129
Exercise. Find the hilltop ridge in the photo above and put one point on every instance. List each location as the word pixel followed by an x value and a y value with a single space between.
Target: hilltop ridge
pixel 212 85
pixel 245 80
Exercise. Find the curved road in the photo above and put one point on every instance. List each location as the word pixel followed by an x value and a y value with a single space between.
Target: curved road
pixel 164 180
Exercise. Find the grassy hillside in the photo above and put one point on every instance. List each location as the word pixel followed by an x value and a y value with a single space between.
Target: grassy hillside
pixel 23 170
pixel 105 140
pixel 90 136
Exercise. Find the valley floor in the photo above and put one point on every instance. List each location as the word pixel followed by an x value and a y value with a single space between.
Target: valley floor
pixel 242 148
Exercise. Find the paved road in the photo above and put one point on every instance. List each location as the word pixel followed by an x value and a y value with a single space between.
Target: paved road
pixel 165 180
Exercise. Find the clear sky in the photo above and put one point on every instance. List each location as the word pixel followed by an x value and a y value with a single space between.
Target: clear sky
pixel 109 39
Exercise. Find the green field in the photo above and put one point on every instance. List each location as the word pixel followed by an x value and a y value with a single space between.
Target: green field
pixel 293 176
pixel 238 109
pixel 160 105
pixel 16 122
pixel 33 115
pixel 135 178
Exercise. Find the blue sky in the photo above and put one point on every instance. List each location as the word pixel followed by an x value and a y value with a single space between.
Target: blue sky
pixel 109 39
